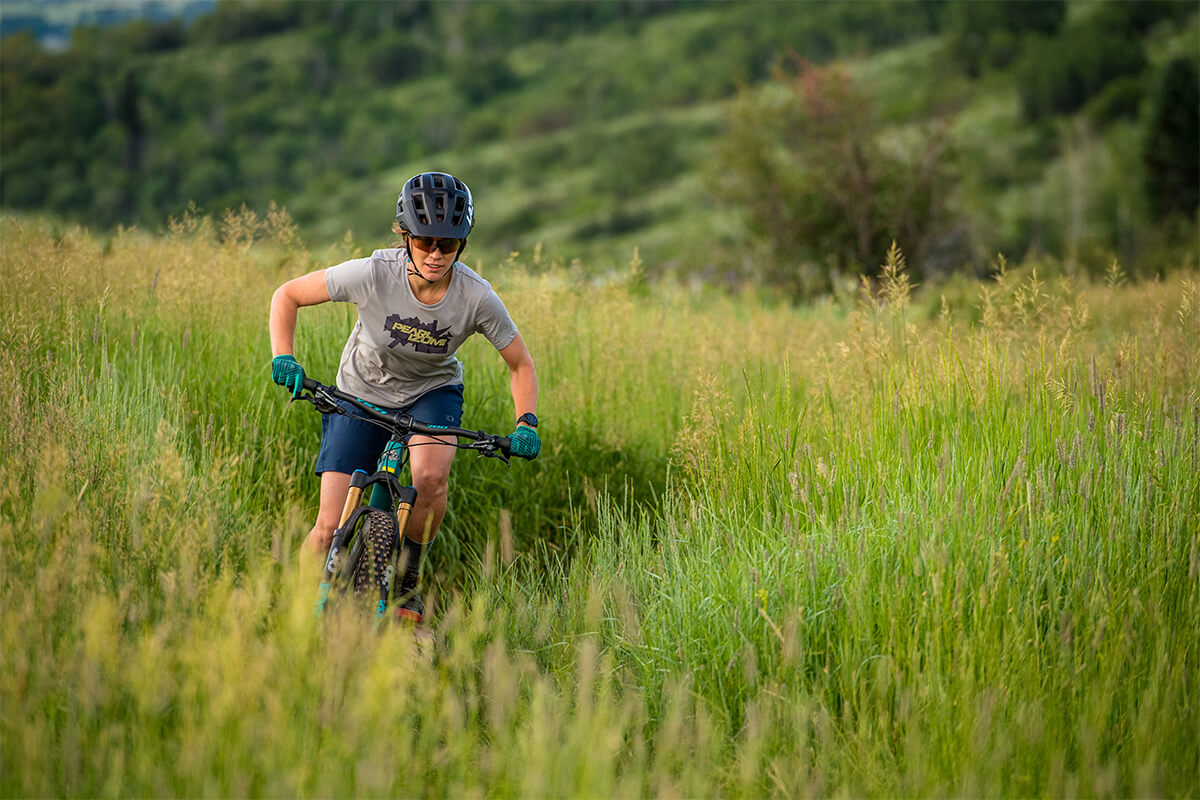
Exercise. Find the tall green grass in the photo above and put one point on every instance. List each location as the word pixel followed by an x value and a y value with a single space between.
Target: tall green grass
pixel 916 545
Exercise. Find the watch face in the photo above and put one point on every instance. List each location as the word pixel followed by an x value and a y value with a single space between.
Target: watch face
pixel 528 419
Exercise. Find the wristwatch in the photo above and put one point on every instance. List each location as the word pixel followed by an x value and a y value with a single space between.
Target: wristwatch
pixel 528 418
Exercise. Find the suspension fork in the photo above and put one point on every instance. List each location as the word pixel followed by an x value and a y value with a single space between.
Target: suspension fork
pixel 392 461
pixel 405 498
pixel 358 482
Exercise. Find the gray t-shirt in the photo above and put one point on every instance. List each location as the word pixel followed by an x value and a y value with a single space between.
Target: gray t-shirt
pixel 401 348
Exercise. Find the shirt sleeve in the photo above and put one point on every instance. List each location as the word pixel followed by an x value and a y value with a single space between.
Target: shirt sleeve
pixel 493 321
pixel 351 281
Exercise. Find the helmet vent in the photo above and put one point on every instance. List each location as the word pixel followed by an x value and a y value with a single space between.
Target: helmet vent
pixel 419 208
pixel 435 204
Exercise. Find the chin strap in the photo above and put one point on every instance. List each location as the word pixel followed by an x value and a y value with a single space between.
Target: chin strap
pixel 412 270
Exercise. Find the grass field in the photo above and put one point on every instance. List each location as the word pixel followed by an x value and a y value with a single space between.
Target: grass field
pixel 923 544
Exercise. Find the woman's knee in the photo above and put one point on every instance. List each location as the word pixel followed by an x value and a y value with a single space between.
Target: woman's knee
pixel 431 485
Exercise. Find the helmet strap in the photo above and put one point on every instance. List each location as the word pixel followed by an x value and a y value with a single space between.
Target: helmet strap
pixel 412 267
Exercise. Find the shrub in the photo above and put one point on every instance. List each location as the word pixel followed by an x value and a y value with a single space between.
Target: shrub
pixel 808 172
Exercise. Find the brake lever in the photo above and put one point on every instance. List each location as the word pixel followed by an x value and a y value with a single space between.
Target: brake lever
pixel 488 449
pixel 322 402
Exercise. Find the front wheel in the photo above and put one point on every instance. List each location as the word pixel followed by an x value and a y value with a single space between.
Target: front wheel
pixel 372 571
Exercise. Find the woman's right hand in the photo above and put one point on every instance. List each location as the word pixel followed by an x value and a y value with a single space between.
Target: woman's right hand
pixel 288 373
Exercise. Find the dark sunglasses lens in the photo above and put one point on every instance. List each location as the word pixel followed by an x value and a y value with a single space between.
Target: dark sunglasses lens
pixel 445 245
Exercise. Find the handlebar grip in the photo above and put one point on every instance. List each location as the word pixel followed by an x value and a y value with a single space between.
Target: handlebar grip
pixel 310 384
pixel 505 445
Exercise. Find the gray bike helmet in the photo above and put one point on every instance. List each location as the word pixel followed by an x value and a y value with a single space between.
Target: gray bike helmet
pixel 435 204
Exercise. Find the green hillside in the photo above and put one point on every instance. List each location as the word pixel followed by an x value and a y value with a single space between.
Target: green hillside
pixel 595 128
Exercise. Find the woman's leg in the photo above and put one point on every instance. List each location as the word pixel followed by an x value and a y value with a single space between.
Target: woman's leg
pixel 334 486
pixel 347 444
pixel 430 463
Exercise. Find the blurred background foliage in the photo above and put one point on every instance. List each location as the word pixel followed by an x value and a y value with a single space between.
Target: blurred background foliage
pixel 781 142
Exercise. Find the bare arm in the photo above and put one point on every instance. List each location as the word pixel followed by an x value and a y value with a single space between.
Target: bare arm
pixel 307 290
pixel 522 376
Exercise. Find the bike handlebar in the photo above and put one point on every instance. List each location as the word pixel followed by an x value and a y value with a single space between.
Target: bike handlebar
pixel 323 397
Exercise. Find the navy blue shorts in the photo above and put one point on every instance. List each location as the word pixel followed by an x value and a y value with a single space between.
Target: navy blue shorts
pixel 349 444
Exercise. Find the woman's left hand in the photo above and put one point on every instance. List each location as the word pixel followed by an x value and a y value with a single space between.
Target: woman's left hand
pixel 524 442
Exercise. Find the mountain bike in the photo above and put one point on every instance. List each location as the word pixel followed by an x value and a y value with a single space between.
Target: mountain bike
pixel 366 544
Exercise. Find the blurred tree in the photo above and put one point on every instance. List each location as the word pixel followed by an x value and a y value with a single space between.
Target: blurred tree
pixel 1121 99
pixel 988 33
pixel 477 52
pixel 395 57
pixel 817 187
pixel 129 116
pixel 641 157
pixel 1136 18
pixel 147 36
pixel 322 59
pixel 206 180
pixel 28 134
pixel 232 20
pixel 1060 75
pixel 1171 143
pixel 481 74
pixel 108 183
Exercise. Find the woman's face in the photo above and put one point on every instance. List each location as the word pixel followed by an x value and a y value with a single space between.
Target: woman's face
pixel 429 257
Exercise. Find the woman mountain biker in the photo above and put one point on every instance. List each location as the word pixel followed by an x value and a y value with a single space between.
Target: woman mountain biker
pixel 416 305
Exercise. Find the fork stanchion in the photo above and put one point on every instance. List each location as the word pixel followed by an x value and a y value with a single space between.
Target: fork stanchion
pixel 357 481
pixel 405 500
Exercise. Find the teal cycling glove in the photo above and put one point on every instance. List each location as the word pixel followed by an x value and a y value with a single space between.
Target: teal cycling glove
pixel 287 372
pixel 524 443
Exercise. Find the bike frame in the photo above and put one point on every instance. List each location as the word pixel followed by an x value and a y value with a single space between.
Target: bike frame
pixel 387 493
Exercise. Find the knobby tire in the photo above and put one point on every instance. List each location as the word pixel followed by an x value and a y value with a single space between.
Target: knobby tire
pixel 377 537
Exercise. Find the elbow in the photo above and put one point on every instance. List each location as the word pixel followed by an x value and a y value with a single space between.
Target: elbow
pixel 283 298
pixel 523 374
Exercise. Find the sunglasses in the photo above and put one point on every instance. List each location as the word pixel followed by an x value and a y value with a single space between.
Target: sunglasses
pixel 427 244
